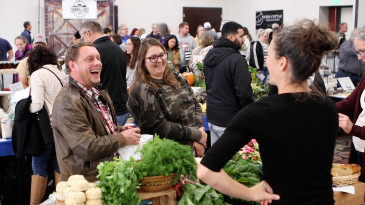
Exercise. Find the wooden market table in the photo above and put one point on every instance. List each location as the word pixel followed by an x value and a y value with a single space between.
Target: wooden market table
pixel 167 197
pixel 342 198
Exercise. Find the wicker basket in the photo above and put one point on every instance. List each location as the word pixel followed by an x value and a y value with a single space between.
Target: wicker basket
pixel 346 180
pixel 156 183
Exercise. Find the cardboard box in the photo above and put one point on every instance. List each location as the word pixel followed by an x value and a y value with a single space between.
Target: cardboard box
pixel 342 198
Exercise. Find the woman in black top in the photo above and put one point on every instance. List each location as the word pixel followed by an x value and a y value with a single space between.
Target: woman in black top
pixel 300 124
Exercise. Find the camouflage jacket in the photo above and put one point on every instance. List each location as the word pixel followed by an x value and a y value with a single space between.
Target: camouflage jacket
pixel 172 113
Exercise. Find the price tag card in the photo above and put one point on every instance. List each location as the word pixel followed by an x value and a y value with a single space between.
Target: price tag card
pixel 261 76
pixel 346 83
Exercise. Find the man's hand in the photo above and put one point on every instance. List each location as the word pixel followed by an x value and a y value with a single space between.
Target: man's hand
pixel 345 123
pixel 131 136
pixel 204 138
pixel 199 149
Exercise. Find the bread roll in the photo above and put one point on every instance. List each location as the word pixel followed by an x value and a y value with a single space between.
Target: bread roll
pixel 61 186
pixel 75 177
pixel 93 193
pixel 92 185
pixel 93 202
pixel 75 197
pixel 66 191
pixel 344 169
pixel 79 185
pixel 60 196
pixel 74 203
pixel 58 202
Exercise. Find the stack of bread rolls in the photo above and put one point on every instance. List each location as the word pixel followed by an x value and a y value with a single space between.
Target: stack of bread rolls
pixel 78 191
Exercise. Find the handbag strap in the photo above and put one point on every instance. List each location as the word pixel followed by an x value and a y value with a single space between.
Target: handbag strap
pixel 55 75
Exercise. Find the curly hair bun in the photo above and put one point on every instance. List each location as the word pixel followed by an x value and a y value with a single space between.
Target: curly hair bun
pixel 316 39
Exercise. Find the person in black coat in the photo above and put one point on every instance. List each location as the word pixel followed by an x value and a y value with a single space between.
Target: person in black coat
pixel 113 73
pixel 227 79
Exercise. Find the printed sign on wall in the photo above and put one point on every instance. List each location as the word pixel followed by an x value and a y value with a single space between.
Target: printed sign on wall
pixel 79 9
pixel 264 19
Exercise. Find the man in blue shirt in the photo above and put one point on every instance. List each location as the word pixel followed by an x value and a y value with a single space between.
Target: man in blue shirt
pixel 5 48
pixel 123 32
pixel 26 33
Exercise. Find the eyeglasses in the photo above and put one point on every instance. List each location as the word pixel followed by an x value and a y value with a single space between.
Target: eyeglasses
pixel 154 58
pixel 129 44
pixel 360 53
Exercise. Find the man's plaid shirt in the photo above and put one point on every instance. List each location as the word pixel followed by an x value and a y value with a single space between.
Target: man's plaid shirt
pixel 104 110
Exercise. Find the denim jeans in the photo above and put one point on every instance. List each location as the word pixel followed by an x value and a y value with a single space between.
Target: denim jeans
pixel 122 119
pixel 215 132
pixel 265 72
pixel 39 163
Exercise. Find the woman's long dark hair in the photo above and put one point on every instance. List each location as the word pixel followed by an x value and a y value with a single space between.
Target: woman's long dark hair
pixel 166 44
pixel 131 62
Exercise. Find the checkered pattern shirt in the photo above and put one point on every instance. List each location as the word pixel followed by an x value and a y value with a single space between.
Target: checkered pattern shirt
pixel 104 110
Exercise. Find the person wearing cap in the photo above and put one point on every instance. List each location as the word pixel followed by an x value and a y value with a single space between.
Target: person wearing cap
pixel 22 68
pixel 209 31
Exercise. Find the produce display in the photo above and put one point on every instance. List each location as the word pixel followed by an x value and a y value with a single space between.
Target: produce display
pixel 119 182
pixel 77 190
pixel 200 195
pixel 119 179
pixel 162 157
pixel 245 167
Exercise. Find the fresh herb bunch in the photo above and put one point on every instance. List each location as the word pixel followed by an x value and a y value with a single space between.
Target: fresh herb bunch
pixel 245 171
pixel 119 182
pixel 200 195
pixel 162 157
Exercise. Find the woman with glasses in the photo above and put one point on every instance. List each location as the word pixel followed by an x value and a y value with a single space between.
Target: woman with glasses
pixel 131 50
pixel 162 102
pixel 353 107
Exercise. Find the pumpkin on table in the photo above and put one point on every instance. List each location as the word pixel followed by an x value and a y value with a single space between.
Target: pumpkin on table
pixel 189 77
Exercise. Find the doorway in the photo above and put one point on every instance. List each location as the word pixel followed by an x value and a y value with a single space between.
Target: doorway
pixel 198 15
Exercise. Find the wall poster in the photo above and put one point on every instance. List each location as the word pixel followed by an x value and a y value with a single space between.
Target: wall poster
pixel 79 9
pixel 265 19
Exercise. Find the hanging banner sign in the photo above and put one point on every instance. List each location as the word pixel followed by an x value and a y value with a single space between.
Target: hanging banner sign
pixel 264 19
pixel 79 9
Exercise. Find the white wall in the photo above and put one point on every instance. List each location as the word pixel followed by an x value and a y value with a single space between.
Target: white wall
pixel 361 14
pixel 14 13
pixel 143 13
pixel 244 11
